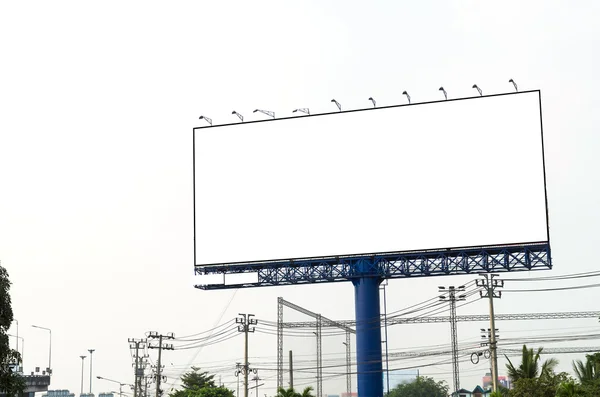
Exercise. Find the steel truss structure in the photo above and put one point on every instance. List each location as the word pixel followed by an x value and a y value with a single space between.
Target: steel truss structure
pixel 466 317
pixel 399 264
pixel 318 325
pixel 508 352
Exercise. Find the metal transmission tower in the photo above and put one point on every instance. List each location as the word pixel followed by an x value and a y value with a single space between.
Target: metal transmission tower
pixel 245 322
pixel 160 347
pixel 135 344
pixel 320 322
pixel 489 285
pixel 367 270
pixel 452 298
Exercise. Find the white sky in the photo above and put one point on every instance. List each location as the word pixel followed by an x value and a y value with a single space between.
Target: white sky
pixel 97 105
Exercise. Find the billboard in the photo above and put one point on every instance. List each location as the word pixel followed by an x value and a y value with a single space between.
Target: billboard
pixel 440 174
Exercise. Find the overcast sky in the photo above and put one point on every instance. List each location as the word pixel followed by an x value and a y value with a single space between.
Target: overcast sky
pixel 97 106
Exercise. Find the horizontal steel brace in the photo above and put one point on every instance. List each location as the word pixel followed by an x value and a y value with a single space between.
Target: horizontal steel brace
pixel 400 264
pixel 446 319
pixel 547 350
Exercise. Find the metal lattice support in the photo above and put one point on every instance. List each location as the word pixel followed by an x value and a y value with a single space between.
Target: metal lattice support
pixel 400 264
pixel 279 343
pixel 348 365
pixel 455 366
pixel 466 317
pixel 320 322
pixel 452 298
pixel 319 357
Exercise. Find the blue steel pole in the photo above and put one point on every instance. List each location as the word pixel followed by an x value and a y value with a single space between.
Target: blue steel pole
pixel 368 336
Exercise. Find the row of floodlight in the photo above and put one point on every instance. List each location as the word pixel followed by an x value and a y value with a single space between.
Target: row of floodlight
pixel 339 106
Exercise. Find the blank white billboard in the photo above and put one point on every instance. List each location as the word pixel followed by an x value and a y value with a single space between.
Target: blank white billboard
pixel 435 175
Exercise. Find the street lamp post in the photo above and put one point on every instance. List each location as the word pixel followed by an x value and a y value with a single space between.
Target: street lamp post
pixel 50 348
pixel 115 381
pixel 91 351
pixel 82 360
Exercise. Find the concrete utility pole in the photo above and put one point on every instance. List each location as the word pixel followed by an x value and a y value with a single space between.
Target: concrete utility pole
pixel 139 372
pixel 291 370
pixel 245 322
pixel 160 347
pixel 452 298
pixel 489 285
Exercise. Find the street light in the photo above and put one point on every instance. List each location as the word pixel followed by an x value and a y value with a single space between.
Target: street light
pixel 373 100
pixel 91 351
pixel 115 381
pixel 239 115
pixel 407 96
pixel 208 120
pixel 50 348
pixel 303 110
pixel 82 360
pixel 339 106
pixel 444 91
pixel 478 89
pixel 515 84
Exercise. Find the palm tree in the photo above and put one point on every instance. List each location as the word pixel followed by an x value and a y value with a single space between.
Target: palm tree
pixel 529 368
pixel 307 392
pixel 588 371
pixel 569 389
pixel 289 392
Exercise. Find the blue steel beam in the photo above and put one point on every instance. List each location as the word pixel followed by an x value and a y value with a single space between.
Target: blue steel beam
pixel 400 264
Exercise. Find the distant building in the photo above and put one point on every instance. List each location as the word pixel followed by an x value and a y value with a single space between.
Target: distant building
pixel 349 394
pixel 502 381
pixel 58 393
pixel 106 395
pixel 477 392
pixel 86 395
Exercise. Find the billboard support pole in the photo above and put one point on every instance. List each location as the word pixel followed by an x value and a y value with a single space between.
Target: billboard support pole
pixel 368 331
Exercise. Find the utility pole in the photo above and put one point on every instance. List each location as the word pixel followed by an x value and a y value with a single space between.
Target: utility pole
pixel 238 367
pixel 489 285
pixel 256 379
pixel 139 372
pixel 291 370
pixel 160 347
pixel 245 322
pixel 452 298
pixel 91 352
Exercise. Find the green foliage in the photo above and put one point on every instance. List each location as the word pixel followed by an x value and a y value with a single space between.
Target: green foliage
pixel 421 387
pixel 543 386
pixel 529 368
pixel 590 370
pixel 290 392
pixel 197 383
pixel 10 383
pixel 212 392
pixel 569 389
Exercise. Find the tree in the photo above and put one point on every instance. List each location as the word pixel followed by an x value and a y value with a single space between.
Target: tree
pixel 212 392
pixel 545 386
pixel 193 382
pixel 307 392
pixel 290 392
pixel 529 368
pixel 423 386
pixel 569 389
pixel 11 383
pixel 589 371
